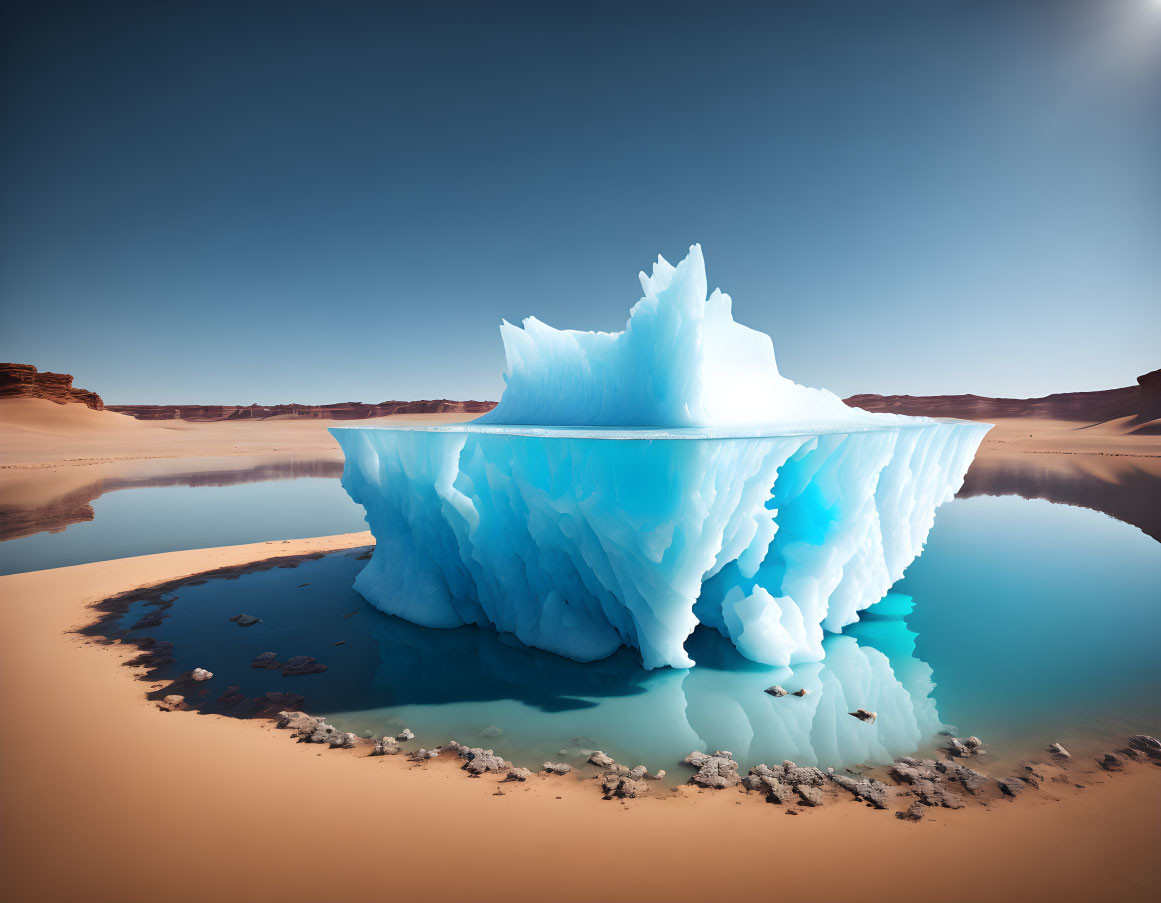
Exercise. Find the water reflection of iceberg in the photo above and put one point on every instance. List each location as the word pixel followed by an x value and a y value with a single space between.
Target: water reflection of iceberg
pixel 443 682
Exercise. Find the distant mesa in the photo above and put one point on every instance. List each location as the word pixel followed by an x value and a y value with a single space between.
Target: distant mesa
pixel 1142 400
pixel 344 410
pixel 25 381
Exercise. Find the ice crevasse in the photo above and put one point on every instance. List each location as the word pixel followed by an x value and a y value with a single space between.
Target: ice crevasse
pixel 632 485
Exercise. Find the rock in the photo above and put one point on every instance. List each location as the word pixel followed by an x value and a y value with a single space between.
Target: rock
pixel 630 789
pixel 245 620
pixel 25 381
pixel 600 759
pixel 174 700
pixel 149 621
pixel 656 777
pixel 482 760
pixel 775 691
pixel 343 740
pixel 1059 751
pixel 232 696
pixel 405 734
pixel 323 733
pixel 299 665
pixel 807 774
pixel 870 791
pixel 638 773
pixel 924 770
pixel 864 715
pixel 931 793
pixel 971 781
pixel 268 660
pixel 1011 786
pixel 556 767
pixel 200 674
pixel 802 692
pixel 297 722
pixel 1150 746
pixel 622 786
pixel 914 812
pixel 809 796
pixel 422 755
pixel 716 772
pixel 1111 762
pixel 519 774
pixel 386 746
pixel 490 732
pixel 965 747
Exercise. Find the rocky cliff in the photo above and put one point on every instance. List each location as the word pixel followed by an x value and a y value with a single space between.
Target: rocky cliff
pixel 25 381
pixel 344 410
pixel 1090 407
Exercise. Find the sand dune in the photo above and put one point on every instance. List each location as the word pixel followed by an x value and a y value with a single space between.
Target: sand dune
pixel 277 820
pixel 36 433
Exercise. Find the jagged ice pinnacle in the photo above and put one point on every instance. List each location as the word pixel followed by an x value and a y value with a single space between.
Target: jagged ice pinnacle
pixel 681 361
pixel 768 511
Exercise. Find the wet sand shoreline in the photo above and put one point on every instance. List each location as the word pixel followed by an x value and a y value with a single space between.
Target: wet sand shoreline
pixel 276 817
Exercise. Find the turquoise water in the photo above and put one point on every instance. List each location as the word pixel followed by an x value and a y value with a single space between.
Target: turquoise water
pixel 141 521
pixel 1023 622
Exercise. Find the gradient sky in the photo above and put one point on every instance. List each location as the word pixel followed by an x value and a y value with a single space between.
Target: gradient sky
pixel 234 202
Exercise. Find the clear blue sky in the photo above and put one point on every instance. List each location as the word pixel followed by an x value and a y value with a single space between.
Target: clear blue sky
pixel 315 202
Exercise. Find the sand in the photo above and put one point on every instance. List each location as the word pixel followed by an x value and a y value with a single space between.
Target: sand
pixel 35 433
pixel 105 797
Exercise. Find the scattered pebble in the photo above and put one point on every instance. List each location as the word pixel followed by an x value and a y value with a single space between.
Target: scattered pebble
pixel 914 812
pixel 301 664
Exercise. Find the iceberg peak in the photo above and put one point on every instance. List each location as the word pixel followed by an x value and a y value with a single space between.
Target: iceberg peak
pixel 681 361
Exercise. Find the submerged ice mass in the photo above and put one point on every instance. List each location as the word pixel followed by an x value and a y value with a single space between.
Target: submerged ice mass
pixel 704 488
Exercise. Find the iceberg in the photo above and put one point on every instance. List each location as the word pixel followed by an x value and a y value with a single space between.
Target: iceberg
pixel 681 361
pixel 632 485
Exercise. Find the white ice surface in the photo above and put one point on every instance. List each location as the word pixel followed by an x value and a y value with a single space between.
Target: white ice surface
pixel 681 361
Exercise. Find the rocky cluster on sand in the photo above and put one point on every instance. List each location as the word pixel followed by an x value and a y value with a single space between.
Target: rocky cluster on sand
pixel 919 785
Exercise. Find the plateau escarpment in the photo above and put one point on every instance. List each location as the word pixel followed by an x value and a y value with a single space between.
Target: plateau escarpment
pixel 1142 400
pixel 25 381
pixel 344 410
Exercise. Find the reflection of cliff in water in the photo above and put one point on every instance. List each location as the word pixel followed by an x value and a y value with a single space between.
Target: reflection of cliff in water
pixel 1122 486
pixel 75 506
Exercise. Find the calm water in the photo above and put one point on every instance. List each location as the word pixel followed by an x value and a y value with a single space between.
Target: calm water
pixel 166 518
pixel 1023 622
